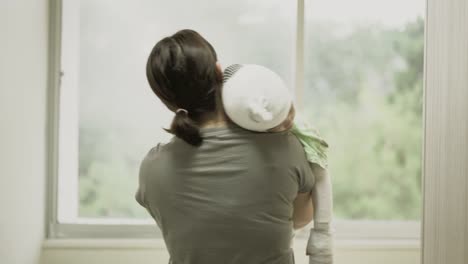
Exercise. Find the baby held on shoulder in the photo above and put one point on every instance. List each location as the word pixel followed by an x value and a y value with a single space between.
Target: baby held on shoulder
pixel 257 99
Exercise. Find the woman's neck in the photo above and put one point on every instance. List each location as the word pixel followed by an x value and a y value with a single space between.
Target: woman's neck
pixel 217 119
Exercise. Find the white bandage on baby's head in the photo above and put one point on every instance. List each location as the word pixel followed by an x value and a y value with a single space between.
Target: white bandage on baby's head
pixel 254 97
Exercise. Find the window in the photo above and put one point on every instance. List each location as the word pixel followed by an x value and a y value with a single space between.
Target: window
pixel 357 76
pixel 363 88
pixel 109 117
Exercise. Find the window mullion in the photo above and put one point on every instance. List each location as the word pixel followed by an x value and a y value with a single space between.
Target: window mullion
pixel 299 54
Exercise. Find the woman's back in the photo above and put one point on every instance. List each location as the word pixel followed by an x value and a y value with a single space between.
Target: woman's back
pixel 229 200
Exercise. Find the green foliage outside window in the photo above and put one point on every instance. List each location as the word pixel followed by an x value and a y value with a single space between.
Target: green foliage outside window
pixel 363 92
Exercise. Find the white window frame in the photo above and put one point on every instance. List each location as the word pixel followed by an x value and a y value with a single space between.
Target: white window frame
pixel 61 88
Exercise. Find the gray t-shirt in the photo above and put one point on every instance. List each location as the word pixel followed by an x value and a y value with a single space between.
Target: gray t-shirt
pixel 229 200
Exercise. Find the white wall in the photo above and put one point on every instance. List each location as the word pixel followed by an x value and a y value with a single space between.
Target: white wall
pixel 446 140
pixel 23 77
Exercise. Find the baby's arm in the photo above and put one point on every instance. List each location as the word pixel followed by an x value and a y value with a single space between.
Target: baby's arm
pixel 320 244
pixel 322 198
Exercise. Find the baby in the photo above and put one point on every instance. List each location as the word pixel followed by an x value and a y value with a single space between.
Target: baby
pixel 257 99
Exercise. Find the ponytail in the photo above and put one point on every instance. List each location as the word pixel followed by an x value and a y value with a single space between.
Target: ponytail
pixel 184 127
pixel 181 70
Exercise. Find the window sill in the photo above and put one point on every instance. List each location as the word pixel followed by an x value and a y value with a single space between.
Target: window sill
pixel 158 244
pixel 344 230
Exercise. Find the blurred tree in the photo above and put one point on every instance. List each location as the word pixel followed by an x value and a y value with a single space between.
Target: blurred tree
pixel 364 92
pixel 116 105
pixel 367 89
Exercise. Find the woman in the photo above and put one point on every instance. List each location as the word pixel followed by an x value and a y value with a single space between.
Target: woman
pixel 219 194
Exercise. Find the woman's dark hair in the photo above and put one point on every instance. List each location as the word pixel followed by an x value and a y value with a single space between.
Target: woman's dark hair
pixel 182 72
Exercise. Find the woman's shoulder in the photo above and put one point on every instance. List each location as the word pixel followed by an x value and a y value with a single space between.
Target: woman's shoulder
pixel 285 143
pixel 155 152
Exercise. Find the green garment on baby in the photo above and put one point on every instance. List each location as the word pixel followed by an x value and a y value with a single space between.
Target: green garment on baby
pixel 314 146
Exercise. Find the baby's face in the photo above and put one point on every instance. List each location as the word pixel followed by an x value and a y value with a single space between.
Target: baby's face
pixel 287 123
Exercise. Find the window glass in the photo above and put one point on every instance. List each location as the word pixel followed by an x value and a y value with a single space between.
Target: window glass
pixel 363 91
pixel 119 117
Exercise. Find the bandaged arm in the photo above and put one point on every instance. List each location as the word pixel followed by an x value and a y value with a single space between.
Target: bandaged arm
pixel 322 198
pixel 320 244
